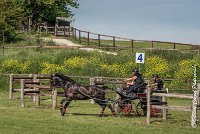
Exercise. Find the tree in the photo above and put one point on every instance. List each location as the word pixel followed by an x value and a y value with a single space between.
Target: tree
pixel 16 12
pixel 46 11
pixel 9 18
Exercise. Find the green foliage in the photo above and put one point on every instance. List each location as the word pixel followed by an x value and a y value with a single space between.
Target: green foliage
pixel 185 70
pixel 169 55
pixel 10 66
pixel 10 15
pixel 47 11
pixel 156 65
pixel 48 68
pixel 83 63
pixel 15 13
pixel 14 66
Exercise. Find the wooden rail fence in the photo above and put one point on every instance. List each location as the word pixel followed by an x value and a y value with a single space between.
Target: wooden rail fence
pixel 164 105
pixel 32 85
pixel 99 39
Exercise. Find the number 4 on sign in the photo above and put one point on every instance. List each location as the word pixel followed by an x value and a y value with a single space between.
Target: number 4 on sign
pixel 139 58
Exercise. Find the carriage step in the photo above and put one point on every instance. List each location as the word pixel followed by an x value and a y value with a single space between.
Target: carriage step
pixel 160 91
pixel 158 103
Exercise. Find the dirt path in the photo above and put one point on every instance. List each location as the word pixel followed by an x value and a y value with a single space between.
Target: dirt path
pixel 65 42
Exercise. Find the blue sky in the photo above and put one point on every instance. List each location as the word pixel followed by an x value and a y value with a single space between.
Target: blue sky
pixel 163 20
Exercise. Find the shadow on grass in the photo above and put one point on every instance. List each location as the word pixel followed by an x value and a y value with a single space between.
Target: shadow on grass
pixel 104 115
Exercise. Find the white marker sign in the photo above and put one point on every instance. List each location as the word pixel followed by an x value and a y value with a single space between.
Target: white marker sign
pixel 139 58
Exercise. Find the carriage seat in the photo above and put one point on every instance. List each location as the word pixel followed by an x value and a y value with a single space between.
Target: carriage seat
pixel 132 95
pixel 142 88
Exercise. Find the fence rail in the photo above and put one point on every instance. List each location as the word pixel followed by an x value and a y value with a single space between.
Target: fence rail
pixel 112 42
pixel 88 38
pixel 115 38
pixel 164 107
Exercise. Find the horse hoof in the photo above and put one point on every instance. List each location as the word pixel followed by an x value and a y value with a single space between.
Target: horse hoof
pixel 114 114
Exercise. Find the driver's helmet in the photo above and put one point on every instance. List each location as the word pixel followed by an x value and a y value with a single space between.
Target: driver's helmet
pixel 155 76
pixel 136 70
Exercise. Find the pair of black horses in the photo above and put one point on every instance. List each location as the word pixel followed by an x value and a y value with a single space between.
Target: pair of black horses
pixel 74 91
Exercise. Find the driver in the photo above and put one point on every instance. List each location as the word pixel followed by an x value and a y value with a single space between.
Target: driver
pixel 136 81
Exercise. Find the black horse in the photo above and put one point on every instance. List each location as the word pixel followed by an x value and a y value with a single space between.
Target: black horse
pixel 74 91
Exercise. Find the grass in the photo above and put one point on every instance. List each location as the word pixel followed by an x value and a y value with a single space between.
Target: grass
pixel 83 118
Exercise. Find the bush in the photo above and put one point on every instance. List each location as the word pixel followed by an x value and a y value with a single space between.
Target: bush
pixel 10 66
pixel 49 68
pixel 185 70
pixel 156 65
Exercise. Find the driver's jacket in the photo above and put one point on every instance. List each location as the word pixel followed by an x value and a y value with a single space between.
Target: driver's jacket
pixel 139 80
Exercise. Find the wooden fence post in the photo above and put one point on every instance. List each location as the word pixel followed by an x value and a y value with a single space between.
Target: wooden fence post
pixel 99 40
pixel 37 97
pixel 174 45
pixel 79 34
pixel 11 87
pixel 75 34
pixel 132 44
pixel 88 38
pixel 119 89
pixel 152 44
pixel 22 93
pixel 164 110
pixel 148 104
pixel 92 83
pixel 69 30
pixel 46 29
pixel 55 30
pixel 54 97
pixel 72 31
pixel 113 41
pixel 64 31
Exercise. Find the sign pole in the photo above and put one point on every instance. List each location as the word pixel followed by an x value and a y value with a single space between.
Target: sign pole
pixel 139 67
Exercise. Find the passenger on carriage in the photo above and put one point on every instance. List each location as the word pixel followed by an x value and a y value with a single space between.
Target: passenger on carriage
pixel 158 83
pixel 137 84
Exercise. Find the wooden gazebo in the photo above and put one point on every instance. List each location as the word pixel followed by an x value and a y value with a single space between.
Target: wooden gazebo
pixel 64 25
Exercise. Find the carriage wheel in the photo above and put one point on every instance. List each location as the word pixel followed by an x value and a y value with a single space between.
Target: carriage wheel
pixel 116 106
pixel 141 108
pixel 155 111
pixel 122 107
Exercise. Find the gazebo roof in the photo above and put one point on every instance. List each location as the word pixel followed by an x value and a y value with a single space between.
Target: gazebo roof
pixel 65 19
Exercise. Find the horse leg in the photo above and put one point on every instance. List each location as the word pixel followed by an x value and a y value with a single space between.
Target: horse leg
pixel 61 105
pixel 64 104
pixel 111 109
pixel 103 106
pixel 102 111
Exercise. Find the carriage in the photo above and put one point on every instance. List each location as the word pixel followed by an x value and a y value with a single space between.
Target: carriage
pixel 122 106
pixel 135 103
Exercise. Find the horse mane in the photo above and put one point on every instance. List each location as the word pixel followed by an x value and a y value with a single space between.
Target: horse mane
pixel 64 77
